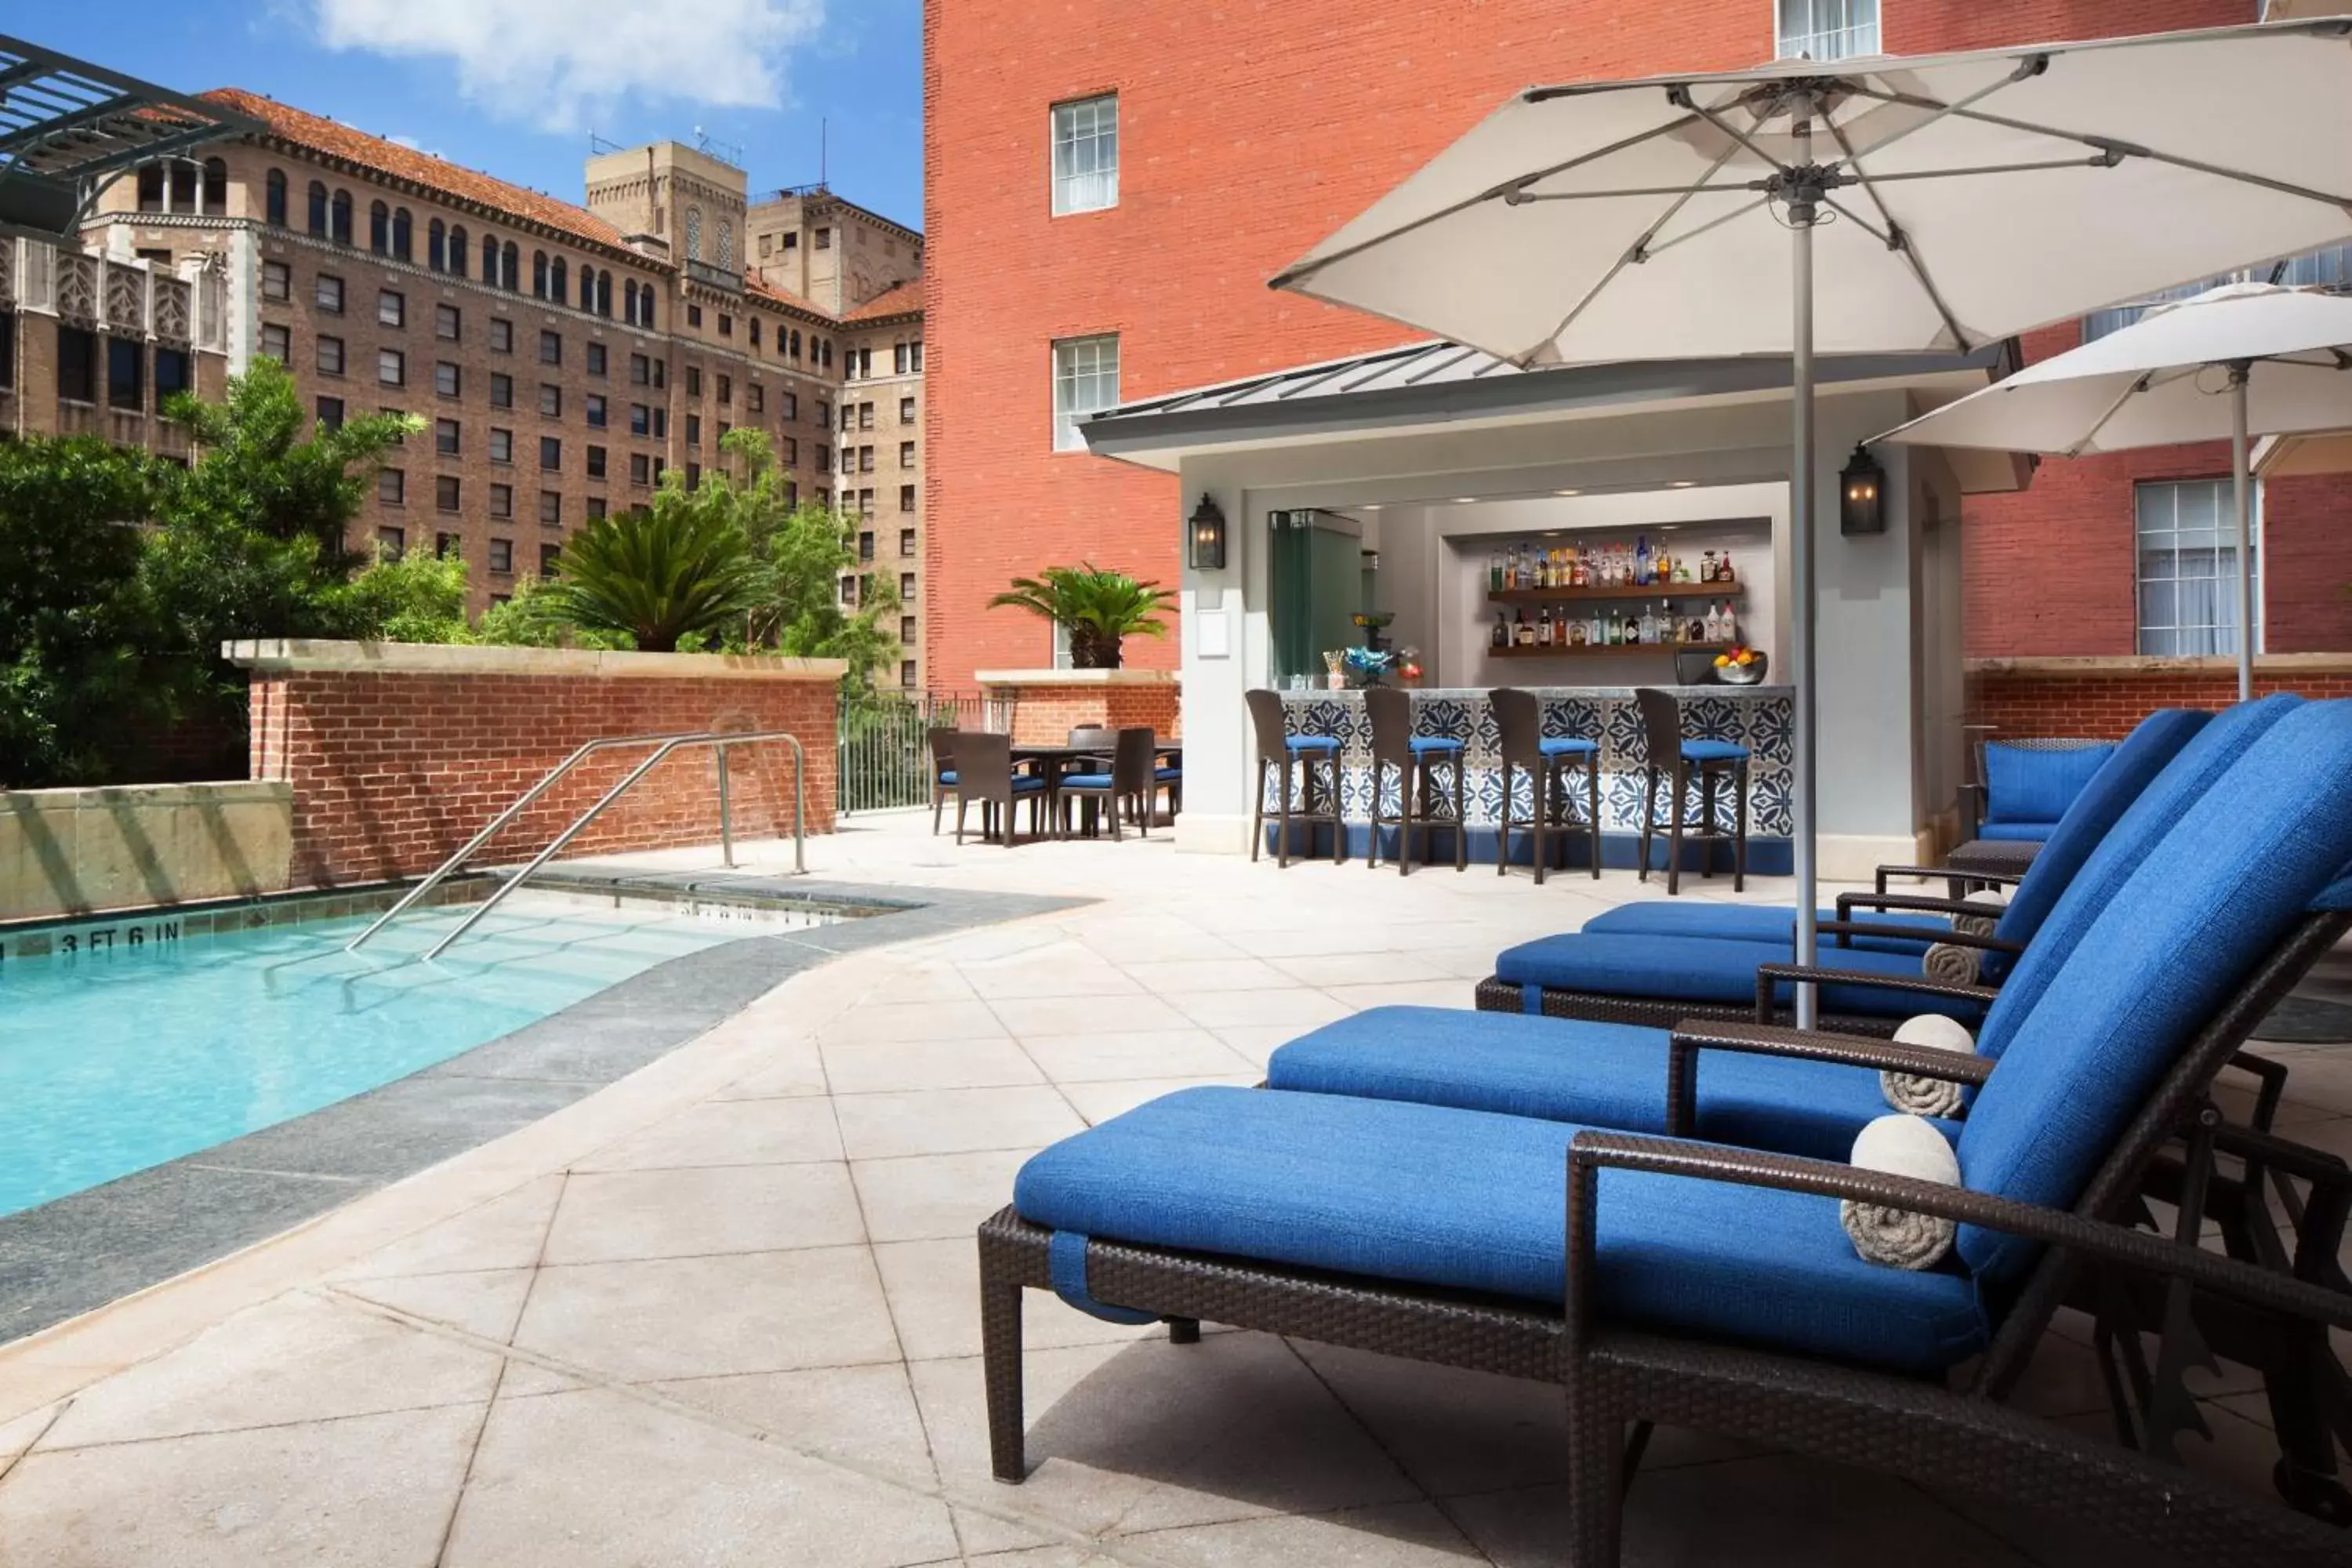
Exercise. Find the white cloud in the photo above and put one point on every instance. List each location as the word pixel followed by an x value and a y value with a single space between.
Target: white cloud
pixel 557 63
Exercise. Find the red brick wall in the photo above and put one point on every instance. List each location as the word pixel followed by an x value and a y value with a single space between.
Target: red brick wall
pixel 393 771
pixel 1247 133
pixel 2106 705
pixel 1045 715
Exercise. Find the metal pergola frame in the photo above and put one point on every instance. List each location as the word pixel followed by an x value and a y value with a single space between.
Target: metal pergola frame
pixel 68 129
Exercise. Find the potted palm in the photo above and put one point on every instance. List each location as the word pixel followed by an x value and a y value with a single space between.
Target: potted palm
pixel 1098 609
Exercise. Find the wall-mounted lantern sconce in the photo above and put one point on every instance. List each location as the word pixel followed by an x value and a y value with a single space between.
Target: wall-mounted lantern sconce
pixel 1862 500
pixel 1208 537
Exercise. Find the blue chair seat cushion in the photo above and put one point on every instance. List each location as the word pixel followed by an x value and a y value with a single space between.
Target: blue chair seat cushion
pixel 2030 784
pixel 1714 751
pixel 1467 1200
pixel 1567 746
pixel 1028 783
pixel 1710 968
pixel 1758 922
pixel 2018 832
pixel 1568 1069
pixel 1085 781
pixel 1312 743
pixel 1439 745
pixel 1169 775
pixel 947 776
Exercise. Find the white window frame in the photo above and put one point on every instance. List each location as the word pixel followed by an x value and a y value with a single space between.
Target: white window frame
pixel 2169 635
pixel 1825 29
pixel 1085 152
pixel 1079 389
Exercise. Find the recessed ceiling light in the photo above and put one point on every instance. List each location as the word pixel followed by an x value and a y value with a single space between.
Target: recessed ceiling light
pixel 1373 507
pixel 1568 492
pixel 1466 501
pixel 1680 484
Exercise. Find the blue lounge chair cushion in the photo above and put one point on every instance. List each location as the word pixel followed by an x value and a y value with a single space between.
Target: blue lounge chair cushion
pixel 1567 746
pixel 947 776
pixel 1569 1070
pixel 2029 786
pixel 1424 745
pixel 1472 1201
pixel 1085 781
pixel 1756 922
pixel 1312 743
pixel 2018 832
pixel 2177 938
pixel 1706 969
pixel 1713 752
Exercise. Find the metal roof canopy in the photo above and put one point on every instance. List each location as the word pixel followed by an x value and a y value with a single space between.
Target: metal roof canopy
pixel 1435 384
pixel 69 128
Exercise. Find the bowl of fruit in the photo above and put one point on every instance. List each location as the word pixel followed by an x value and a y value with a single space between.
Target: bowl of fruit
pixel 1740 666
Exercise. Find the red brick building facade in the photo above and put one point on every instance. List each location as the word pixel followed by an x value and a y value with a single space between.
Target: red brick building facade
pixel 1247 133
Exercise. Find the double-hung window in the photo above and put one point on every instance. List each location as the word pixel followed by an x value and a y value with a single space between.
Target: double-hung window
pixel 1086 155
pixel 1086 379
pixel 2188 563
pixel 1827 29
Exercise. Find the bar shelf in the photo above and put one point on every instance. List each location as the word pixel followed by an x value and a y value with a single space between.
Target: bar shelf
pixel 1574 650
pixel 1731 590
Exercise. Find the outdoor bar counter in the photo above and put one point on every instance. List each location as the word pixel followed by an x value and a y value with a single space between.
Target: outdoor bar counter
pixel 1757 716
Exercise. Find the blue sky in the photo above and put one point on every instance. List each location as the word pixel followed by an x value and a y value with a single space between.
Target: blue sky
pixel 516 87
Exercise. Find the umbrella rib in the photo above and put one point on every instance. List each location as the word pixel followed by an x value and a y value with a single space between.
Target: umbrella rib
pixel 2028 68
pixel 2134 390
pixel 1894 238
pixel 1707 227
pixel 1307 268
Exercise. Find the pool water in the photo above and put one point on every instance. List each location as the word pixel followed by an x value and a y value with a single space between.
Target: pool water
pixel 114 1060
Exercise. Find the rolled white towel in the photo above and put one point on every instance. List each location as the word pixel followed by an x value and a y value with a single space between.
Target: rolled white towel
pixel 1901 1146
pixel 1919 1096
pixel 1950 964
pixel 1995 899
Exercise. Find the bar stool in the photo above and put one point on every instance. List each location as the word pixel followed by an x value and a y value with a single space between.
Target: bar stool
pixel 1299 758
pixel 1415 759
pixel 1677 759
pixel 1523 747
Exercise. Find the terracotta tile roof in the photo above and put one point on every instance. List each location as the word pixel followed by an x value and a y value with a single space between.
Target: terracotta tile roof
pixel 898 300
pixel 390 158
pixel 760 288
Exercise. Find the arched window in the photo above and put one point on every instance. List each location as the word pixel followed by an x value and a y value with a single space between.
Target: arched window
pixel 184 186
pixel 458 249
pixel 559 287
pixel 276 187
pixel 726 243
pixel 605 294
pixel 318 215
pixel 403 229
pixel 511 267
pixel 755 331
pixel 629 300
pixel 343 217
pixel 379 228
pixel 694 234
pixel 588 289
pixel 796 344
pixel 216 187
pixel 539 273
pixel 436 245
pixel 646 305
pixel 150 188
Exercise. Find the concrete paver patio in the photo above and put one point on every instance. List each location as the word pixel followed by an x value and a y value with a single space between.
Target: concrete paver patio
pixel 725 1310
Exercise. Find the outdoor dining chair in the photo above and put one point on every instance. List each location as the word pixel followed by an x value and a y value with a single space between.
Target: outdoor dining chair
pixel 943 771
pixel 1304 768
pixel 1716 1288
pixel 985 773
pixel 1125 786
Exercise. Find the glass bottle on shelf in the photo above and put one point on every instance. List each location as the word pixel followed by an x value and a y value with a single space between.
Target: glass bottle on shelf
pixel 1576 635
pixel 1502 637
pixel 1544 628
pixel 1723 569
pixel 1522 634
pixel 1494 571
pixel 1579 566
pixel 1707 568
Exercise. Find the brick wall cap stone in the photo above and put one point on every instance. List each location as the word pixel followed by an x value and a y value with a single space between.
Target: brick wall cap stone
pixel 1036 677
pixel 114 798
pixel 2054 667
pixel 279 655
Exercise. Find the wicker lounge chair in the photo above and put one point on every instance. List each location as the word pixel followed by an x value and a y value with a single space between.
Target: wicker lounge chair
pixel 1620 969
pixel 1712 1288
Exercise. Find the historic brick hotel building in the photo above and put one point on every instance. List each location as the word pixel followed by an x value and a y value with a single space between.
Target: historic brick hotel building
pixel 561 356
pixel 1109 186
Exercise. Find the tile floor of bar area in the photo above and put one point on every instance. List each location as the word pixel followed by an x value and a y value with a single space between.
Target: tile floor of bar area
pixel 725 1310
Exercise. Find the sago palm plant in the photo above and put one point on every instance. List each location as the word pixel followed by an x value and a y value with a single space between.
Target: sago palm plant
pixel 1098 608
pixel 658 575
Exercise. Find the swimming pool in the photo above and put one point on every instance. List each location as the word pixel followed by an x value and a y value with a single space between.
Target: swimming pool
pixel 116 1057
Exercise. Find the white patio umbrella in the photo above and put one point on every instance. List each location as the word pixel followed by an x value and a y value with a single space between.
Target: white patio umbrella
pixel 2245 358
pixel 1946 201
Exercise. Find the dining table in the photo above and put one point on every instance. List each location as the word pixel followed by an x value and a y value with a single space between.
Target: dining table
pixel 1052 760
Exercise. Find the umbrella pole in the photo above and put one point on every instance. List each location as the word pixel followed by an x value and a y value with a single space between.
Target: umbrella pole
pixel 1801 213
pixel 2242 484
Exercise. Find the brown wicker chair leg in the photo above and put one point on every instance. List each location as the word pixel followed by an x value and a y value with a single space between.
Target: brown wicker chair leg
pixel 1706 781
pixel 1461 817
pixel 1740 828
pixel 1257 811
pixel 1649 815
pixel 1282 804
pixel 1596 1481
pixel 1592 809
pixel 1503 828
pixel 1339 828
pixel 1678 781
pixel 1000 1334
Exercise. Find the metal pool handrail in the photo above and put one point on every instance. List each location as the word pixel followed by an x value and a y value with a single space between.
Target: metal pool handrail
pixel 663 745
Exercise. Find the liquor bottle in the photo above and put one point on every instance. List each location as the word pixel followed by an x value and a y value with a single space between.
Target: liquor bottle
pixel 1723 569
pixel 1494 571
pixel 1524 633
pixel 1543 628
pixel 1707 568
pixel 1649 626
pixel 1576 634
pixel 1714 623
pixel 1682 569
pixel 1502 637
pixel 1580 572
pixel 1595 633
pixel 1642 560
